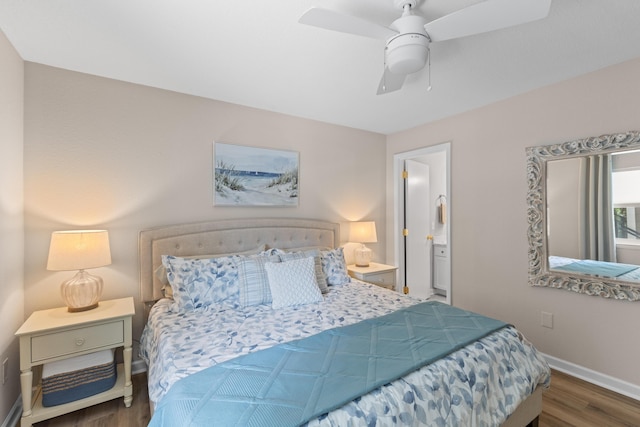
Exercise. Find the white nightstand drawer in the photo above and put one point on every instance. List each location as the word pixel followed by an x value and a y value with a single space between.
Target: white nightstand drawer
pixel 67 342
pixel 386 280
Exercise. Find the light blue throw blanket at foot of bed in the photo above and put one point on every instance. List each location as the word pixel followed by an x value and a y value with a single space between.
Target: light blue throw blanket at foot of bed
pixel 292 383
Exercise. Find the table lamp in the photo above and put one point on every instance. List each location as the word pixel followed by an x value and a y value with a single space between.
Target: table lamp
pixel 79 250
pixel 363 232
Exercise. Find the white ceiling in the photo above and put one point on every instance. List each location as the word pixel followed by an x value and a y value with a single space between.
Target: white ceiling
pixel 255 53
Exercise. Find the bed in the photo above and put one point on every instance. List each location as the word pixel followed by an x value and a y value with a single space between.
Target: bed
pixel 628 272
pixel 196 349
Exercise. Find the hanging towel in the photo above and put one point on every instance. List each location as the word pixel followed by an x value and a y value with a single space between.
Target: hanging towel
pixel 442 212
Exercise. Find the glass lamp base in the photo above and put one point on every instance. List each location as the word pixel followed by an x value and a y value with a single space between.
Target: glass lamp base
pixel 362 256
pixel 82 292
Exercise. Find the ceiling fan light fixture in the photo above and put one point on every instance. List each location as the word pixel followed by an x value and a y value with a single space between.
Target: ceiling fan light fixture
pixel 407 53
pixel 408 38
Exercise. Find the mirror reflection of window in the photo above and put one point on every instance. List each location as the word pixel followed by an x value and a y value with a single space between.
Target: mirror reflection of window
pixel 627 223
pixel 626 197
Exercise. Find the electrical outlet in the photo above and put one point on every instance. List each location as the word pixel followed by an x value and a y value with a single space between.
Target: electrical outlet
pixel 547 320
pixel 5 370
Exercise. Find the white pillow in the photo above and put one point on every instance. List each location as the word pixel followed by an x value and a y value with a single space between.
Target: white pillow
pixel 293 282
pixel 315 253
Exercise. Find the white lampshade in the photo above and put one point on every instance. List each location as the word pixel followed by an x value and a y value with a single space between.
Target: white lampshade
pixel 363 232
pixel 80 250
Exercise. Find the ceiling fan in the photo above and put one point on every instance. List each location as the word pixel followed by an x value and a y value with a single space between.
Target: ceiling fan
pixel 408 37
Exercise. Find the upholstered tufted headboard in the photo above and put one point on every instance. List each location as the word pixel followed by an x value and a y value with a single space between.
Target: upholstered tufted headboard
pixel 225 236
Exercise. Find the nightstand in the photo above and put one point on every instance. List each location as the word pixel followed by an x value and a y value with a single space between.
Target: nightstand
pixel 377 274
pixel 56 334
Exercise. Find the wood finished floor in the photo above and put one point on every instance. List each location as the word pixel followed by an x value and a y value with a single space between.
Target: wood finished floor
pixel 569 402
pixel 573 402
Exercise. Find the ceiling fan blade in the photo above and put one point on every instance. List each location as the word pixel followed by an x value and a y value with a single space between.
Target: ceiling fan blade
pixel 487 16
pixel 335 21
pixel 390 82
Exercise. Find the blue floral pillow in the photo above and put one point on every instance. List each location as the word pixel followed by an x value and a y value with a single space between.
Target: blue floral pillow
pixel 199 284
pixel 335 267
pixel 161 272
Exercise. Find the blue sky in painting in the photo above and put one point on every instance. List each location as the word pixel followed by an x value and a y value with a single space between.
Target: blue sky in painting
pixel 255 159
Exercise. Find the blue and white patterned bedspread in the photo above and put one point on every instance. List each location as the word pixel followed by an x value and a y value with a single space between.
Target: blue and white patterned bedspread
pixel 477 385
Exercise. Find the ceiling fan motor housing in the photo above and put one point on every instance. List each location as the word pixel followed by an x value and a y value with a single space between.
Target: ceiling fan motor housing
pixel 407 53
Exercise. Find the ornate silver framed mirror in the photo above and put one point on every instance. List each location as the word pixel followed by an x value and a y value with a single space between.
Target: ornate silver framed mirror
pixel 573 225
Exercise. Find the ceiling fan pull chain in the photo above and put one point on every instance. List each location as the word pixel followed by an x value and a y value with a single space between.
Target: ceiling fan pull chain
pixel 384 74
pixel 429 67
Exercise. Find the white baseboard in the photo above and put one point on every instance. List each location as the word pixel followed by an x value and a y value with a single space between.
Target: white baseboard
pixel 13 417
pixel 597 378
pixel 138 367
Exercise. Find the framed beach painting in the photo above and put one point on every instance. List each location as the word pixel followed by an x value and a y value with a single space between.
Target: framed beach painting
pixel 251 176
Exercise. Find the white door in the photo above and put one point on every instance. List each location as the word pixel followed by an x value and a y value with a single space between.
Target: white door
pixel 418 225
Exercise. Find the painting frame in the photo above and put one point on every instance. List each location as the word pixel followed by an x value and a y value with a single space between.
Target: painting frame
pixel 248 176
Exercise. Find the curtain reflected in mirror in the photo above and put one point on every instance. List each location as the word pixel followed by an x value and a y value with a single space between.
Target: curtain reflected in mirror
pixel 579 208
pixel 583 198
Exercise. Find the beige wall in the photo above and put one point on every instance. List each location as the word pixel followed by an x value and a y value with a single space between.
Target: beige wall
pixel 103 153
pixel 11 218
pixel 488 207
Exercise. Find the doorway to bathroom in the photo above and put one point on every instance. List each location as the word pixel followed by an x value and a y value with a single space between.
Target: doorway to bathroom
pixel 422 228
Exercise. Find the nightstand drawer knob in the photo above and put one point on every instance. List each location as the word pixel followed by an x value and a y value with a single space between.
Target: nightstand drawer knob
pixel 79 342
